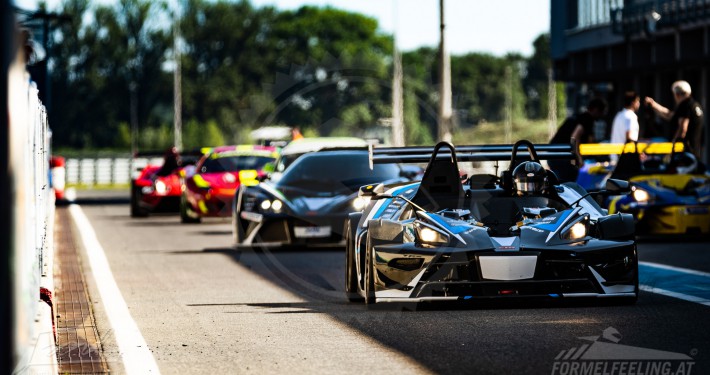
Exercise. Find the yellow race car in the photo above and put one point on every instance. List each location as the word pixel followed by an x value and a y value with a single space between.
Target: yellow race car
pixel 670 194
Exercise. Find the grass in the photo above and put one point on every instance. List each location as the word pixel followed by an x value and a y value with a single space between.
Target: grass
pixel 535 131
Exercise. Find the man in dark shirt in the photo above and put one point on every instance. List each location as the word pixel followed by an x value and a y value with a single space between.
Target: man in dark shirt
pixel 579 127
pixel 686 119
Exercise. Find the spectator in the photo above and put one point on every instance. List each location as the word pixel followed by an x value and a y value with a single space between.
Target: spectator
pixel 686 119
pixel 625 127
pixel 580 129
pixel 296 134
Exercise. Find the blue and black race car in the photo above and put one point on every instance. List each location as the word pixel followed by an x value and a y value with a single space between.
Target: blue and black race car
pixel 310 201
pixel 520 234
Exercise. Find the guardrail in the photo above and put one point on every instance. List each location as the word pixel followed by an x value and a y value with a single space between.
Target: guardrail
pixel 105 171
pixel 26 216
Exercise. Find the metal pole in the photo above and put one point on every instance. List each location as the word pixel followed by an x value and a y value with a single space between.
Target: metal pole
pixel 134 117
pixel 445 110
pixel 551 105
pixel 397 93
pixel 508 105
pixel 177 81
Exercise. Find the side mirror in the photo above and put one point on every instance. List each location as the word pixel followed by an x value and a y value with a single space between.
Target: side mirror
pixel 371 190
pixel 618 226
pixel 617 187
pixel 188 171
pixel 269 167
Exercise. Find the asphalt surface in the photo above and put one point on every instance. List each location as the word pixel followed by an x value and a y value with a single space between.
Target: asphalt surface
pixel 204 307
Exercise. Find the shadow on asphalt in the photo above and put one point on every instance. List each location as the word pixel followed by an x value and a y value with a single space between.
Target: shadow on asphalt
pixel 99 201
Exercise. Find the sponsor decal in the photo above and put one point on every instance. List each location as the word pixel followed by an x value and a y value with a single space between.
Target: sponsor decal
pixel 603 355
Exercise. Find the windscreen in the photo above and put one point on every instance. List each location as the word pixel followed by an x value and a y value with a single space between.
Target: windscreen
pixel 335 171
pixel 234 163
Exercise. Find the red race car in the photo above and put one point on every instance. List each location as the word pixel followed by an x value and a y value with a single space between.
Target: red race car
pixel 157 187
pixel 209 187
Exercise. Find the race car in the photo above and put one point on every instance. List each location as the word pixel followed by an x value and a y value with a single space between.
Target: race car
pixel 520 234
pixel 670 196
pixel 309 202
pixel 208 188
pixel 157 186
pixel 295 149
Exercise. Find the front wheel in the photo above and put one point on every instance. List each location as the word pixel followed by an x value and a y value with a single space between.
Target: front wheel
pixel 187 216
pixel 369 274
pixel 351 284
pixel 136 209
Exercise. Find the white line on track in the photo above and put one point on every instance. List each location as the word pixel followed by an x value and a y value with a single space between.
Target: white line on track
pixel 668 293
pixel 673 268
pixel 136 356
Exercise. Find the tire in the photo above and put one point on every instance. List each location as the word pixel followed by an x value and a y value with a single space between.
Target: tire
pixel 369 274
pixel 136 209
pixel 186 214
pixel 237 230
pixel 351 284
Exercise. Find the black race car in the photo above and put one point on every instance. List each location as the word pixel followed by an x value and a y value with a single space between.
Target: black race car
pixel 520 234
pixel 310 201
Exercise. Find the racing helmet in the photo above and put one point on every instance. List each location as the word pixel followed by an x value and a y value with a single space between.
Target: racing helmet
pixel 684 162
pixel 529 178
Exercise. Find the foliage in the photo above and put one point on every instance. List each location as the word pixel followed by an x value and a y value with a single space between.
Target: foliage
pixel 491 132
pixel 325 70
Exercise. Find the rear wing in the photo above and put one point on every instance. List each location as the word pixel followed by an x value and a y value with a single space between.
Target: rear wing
pixel 472 153
pixel 600 149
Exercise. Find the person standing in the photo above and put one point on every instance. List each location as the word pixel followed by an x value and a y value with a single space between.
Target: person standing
pixel 578 129
pixel 581 127
pixel 625 127
pixel 686 119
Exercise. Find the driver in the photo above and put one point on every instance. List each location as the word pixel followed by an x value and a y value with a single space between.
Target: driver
pixel 530 178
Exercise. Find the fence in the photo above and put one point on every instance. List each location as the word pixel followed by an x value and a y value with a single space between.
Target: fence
pixel 105 170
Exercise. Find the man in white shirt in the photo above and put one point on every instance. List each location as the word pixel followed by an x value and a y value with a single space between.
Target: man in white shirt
pixel 625 127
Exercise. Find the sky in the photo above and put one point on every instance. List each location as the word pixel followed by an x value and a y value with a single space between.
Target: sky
pixel 495 27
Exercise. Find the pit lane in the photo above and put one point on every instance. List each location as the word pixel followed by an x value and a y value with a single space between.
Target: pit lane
pixel 204 307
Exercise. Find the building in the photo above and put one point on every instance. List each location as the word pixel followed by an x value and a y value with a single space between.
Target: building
pixel 606 47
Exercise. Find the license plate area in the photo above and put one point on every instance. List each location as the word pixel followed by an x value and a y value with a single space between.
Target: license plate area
pixel 312 232
pixel 506 268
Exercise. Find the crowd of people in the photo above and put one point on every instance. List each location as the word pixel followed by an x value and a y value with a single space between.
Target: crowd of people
pixel 685 120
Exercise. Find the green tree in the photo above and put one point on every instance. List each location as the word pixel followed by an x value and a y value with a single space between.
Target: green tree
pixel 98 64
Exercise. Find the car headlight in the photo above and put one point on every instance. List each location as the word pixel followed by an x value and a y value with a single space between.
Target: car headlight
pixel 429 235
pixel 640 195
pixel 160 187
pixel 577 230
pixel 360 202
pixel 275 205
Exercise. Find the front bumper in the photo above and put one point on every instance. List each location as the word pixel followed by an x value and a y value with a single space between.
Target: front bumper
pixel 278 230
pixel 211 204
pixel 681 219
pixel 460 274
pixel 160 203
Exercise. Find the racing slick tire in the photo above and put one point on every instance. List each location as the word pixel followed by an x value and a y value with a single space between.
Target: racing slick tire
pixel 136 209
pixel 237 229
pixel 185 212
pixel 349 232
pixel 369 274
